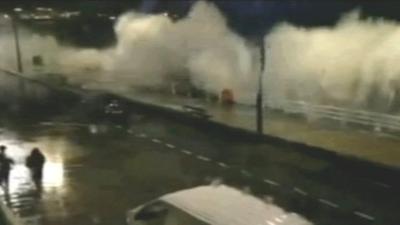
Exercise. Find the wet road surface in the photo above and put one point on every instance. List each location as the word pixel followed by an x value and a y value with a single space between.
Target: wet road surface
pixel 378 147
pixel 95 173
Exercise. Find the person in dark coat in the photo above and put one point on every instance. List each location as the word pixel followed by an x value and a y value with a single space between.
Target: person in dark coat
pixel 2 151
pixel 5 167
pixel 35 163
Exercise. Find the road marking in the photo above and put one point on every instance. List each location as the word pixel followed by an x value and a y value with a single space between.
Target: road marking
pixel 74 166
pixel 187 152
pixel 203 158
pixel 284 216
pixel 47 123
pixel 155 140
pixel 300 191
pixel 328 203
pixel 130 131
pixel 271 182
pixel 170 145
pixel 118 126
pixel 364 216
pixel 142 135
pixel 63 124
pixel 383 184
pixel 246 173
pixel 223 165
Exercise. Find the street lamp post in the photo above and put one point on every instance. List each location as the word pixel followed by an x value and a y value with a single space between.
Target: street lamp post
pixel 21 83
pixel 14 27
pixel 17 45
pixel 259 100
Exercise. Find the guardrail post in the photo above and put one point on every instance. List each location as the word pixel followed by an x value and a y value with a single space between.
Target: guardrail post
pixel 260 118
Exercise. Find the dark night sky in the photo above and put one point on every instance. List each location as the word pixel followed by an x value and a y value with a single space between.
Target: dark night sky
pixel 248 17
pixel 254 17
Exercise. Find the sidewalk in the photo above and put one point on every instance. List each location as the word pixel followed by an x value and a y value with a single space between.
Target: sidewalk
pixel 374 147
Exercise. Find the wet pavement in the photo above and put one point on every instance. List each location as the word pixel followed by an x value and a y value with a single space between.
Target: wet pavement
pixel 95 172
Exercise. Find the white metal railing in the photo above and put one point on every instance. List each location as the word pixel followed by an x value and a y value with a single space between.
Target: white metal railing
pixel 374 119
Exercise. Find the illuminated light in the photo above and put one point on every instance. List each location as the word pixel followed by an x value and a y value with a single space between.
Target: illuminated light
pixel 15 149
pixel 112 17
pixel 19 179
pixel 18 9
pixel 93 129
pixel 6 16
pixel 53 174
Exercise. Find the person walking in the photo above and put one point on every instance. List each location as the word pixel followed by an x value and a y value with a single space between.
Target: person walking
pixel 5 167
pixel 2 150
pixel 35 163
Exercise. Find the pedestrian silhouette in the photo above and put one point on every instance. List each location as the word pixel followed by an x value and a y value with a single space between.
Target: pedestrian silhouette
pixel 35 162
pixel 5 167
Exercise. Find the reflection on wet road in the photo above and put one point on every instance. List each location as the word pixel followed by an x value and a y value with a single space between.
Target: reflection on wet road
pixel 23 196
pixel 94 174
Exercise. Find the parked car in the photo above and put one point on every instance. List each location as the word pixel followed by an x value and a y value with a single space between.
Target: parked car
pixel 211 205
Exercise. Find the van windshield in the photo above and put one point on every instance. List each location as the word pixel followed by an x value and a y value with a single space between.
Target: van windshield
pixel 161 213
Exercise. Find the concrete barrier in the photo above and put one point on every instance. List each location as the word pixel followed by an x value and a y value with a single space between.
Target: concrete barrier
pixel 19 95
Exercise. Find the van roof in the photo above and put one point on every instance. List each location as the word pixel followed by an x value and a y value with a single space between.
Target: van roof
pixel 223 205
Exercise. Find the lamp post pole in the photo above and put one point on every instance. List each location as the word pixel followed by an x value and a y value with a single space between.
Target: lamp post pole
pixel 17 45
pixel 259 100
pixel 21 83
pixel 14 28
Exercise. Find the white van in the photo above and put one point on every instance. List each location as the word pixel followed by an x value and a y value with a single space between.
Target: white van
pixel 211 205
